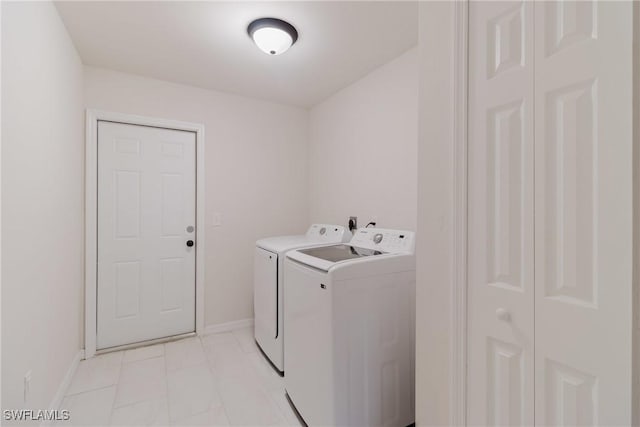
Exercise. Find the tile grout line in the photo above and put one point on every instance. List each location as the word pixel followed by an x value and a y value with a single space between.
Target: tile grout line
pixel 264 386
pixel 224 409
pixel 235 341
pixel 177 421
pixel 166 384
pixel 88 391
pixel 122 364
pixel 115 395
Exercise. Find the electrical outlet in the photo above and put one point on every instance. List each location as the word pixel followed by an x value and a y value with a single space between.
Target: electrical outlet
pixel 353 223
pixel 27 385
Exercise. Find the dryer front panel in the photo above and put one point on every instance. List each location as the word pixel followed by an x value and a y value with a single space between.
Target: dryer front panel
pixel 265 297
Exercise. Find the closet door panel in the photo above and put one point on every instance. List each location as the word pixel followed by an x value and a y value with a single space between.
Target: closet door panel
pixel 583 213
pixel 500 343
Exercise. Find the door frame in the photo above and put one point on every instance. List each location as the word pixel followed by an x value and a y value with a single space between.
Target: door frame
pixel 635 392
pixel 458 353
pixel 91 213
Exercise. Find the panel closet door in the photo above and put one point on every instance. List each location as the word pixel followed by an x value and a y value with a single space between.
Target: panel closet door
pixel 583 96
pixel 500 254
pixel 550 157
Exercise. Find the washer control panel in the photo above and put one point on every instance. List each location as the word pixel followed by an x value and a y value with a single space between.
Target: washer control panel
pixel 328 232
pixel 384 240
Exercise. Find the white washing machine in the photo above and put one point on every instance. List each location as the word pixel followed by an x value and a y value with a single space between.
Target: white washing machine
pixel 350 320
pixel 268 284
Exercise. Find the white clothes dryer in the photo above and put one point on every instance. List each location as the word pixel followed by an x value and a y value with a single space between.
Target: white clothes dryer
pixel 268 284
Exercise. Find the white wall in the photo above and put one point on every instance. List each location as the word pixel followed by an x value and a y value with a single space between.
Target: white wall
pixel 636 185
pixel 434 251
pixel 256 161
pixel 42 202
pixel 362 152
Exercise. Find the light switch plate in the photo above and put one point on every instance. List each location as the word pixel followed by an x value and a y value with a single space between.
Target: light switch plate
pixel 216 220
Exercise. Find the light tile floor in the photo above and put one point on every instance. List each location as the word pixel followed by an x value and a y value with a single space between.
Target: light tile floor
pixel 214 380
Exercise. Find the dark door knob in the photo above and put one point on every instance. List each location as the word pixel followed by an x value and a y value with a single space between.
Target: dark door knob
pixel 189 243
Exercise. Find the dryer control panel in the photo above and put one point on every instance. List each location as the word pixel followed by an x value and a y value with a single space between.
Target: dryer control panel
pixel 384 240
pixel 329 232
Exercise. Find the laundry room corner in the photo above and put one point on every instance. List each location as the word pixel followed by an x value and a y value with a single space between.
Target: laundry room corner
pixel 363 146
pixel 242 135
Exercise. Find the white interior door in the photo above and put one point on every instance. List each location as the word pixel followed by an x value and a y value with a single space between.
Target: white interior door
pixel 583 92
pixel 146 216
pixel 500 222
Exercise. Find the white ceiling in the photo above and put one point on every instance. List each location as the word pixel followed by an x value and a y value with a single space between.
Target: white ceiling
pixel 205 44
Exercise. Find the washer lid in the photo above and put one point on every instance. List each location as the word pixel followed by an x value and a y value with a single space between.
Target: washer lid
pixel 336 253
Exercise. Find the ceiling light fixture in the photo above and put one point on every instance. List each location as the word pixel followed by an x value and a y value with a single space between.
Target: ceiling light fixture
pixel 273 36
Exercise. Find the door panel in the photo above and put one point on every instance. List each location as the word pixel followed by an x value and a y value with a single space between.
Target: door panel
pixel 583 212
pixel 500 254
pixel 146 201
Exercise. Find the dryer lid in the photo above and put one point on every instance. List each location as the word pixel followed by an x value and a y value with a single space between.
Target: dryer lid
pixel 317 234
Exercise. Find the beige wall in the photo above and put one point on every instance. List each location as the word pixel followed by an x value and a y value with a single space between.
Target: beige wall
pixel 434 273
pixel 42 202
pixel 256 173
pixel 362 149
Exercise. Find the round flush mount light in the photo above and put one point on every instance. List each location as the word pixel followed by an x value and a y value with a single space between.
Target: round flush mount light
pixel 272 35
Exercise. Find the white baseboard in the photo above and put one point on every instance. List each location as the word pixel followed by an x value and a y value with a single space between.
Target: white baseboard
pixel 227 327
pixel 64 384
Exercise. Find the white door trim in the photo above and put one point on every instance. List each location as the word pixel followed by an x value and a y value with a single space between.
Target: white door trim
pixel 91 212
pixel 458 321
pixel 635 420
